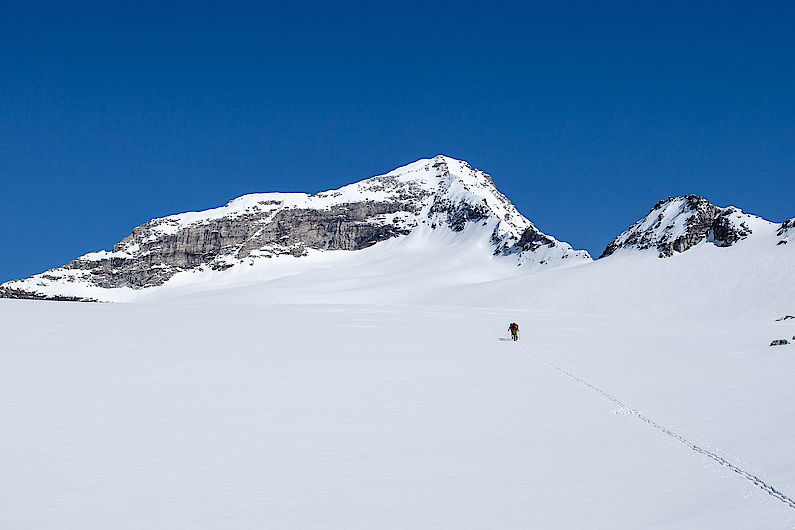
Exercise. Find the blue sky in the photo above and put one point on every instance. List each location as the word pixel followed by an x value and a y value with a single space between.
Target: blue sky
pixel 584 115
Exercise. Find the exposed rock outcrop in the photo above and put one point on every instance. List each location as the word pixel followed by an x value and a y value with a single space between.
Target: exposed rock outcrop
pixel 157 257
pixel 786 232
pixel 20 294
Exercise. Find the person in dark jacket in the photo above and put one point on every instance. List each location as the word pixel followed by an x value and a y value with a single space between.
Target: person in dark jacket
pixel 514 329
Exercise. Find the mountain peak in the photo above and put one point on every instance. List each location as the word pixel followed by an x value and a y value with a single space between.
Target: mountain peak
pixel 439 195
pixel 676 224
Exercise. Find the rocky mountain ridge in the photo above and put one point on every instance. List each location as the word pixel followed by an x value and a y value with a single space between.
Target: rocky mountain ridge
pixel 439 193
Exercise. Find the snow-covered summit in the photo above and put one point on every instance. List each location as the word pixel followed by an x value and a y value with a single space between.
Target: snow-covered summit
pixel 439 195
pixel 452 185
pixel 679 223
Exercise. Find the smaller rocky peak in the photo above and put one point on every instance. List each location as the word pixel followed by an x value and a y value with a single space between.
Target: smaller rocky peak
pixel 676 224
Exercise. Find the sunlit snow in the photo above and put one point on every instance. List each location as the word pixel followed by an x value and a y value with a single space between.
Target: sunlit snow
pixel 378 389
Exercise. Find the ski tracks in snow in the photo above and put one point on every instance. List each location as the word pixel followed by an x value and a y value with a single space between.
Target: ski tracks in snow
pixel 756 481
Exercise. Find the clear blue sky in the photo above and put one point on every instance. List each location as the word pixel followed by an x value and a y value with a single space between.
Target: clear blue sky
pixel 585 115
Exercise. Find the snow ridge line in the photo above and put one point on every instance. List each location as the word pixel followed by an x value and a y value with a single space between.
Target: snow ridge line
pixel 758 482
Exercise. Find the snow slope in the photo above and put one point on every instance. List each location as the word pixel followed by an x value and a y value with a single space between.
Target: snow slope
pixel 751 279
pixel 196 416
pixel 375 389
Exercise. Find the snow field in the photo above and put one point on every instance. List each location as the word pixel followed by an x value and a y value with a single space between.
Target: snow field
pixel 197 415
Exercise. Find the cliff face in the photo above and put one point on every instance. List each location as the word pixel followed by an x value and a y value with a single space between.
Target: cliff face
pixel 440 193
pixel 148 257
pixel 677 224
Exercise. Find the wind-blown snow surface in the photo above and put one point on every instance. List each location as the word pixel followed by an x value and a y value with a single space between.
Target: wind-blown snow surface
pixel 132 416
